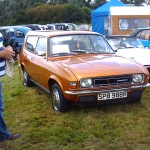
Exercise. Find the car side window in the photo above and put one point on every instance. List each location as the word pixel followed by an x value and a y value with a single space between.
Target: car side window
pixel 41 46
pixel 31 43
pixel 19 34
pixel 143 34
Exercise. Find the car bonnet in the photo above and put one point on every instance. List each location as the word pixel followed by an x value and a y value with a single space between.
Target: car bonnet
pixel 100 65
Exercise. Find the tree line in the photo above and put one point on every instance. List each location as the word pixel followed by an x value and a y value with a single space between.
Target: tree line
pixel 49 11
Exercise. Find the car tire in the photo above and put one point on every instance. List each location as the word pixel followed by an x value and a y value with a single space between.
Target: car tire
pixel 58 101
pixel 137 99
pixel 26 79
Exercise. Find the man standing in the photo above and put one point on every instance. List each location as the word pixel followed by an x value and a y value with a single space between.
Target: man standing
pixel 5 53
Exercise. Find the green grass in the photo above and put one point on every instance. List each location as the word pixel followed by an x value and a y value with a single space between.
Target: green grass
pixel 110 127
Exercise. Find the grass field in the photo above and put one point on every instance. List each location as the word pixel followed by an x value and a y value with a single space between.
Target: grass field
pixel 110 127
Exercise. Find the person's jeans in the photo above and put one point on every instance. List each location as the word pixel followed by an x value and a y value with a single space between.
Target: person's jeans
pixel 4 134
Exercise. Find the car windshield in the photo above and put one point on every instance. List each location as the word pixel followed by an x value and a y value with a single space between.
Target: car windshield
pixel 78 44
pixel 123 42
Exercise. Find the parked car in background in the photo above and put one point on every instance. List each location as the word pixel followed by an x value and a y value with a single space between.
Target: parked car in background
pixel 17 32
pixel 72 26
pixel 14 36
pixel 62 26
pixel 90 29
pixel 44 27
pixel 34 26
pixel 143 34
pixel 80 68
pixel 51 27
pixel 130 48
pixel 84 27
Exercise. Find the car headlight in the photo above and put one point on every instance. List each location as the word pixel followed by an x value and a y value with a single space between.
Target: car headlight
pixel 137 78
pixel 85 83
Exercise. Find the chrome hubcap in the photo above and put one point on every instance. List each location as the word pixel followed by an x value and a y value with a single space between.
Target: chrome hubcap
pixel 24 78
pixel 56 99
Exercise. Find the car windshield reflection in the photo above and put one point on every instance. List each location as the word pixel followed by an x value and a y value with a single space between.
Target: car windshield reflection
pixel 121 43
pixel 78 44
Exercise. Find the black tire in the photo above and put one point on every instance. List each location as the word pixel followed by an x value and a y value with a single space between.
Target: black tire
pixel 58 101
pixel 137 99
pixel 26 79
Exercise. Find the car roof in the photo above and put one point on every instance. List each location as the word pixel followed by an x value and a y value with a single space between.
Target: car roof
pixel 15 27
pixel 50 33
pixel 20 28
pixel 136 31
pixel 5 27
pixel 145 28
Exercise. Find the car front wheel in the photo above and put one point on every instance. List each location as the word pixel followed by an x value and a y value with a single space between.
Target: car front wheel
pixel 58 101
pixel 26 79
pixel 136 100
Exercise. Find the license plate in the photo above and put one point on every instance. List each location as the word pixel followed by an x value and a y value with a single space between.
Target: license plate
pixel 112 95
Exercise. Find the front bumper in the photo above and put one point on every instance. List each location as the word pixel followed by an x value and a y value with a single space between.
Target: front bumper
pixel 101 91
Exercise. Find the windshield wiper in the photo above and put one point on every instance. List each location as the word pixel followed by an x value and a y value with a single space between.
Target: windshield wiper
pixel 126 47
pixel 60 54
pixel 92 52
pixel 79 51
pixel 130 47
pixel 63 54
pixel 104 52
pixel 120 48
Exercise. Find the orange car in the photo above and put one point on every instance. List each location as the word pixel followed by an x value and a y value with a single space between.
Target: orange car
pixel 79 67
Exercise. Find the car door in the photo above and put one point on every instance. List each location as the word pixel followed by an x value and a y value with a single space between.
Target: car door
pixel 40 71
pixel 29 53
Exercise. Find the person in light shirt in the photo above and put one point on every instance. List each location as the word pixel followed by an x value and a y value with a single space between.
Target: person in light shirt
pixel 5 53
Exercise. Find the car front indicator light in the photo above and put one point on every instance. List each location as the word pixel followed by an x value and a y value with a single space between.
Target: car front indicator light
pixel 85 83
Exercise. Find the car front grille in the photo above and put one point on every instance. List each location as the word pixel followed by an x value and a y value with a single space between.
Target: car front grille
pixel 111 81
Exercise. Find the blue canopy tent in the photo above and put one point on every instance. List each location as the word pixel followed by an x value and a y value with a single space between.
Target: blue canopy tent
pixel 98 15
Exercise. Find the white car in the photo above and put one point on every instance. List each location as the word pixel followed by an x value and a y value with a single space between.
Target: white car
pixel 131 48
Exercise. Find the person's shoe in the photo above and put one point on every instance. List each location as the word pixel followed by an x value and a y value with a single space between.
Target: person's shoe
pixel 14 136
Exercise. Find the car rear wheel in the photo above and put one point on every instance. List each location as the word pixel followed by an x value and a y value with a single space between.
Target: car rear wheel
pixel 58 101
pixel 26 79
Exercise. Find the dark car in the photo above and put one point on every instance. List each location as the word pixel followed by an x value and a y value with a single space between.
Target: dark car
pixel 34 26
pixel 143 34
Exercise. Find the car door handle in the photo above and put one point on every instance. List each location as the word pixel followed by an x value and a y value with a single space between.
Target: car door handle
pixel 32 58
